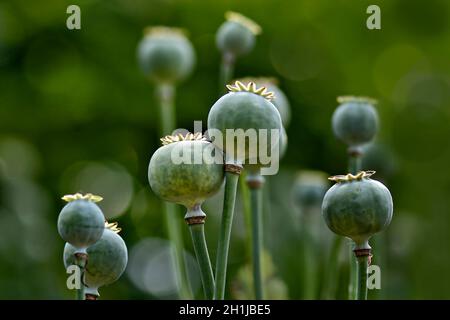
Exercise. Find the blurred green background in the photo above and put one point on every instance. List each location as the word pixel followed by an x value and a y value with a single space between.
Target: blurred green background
pixel 76 114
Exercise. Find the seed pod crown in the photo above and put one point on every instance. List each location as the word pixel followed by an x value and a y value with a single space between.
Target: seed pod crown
pixel 244 21
pixel 360 99
pixel 180 137
pixel 79 196
pixel 251 87
pixel 350 177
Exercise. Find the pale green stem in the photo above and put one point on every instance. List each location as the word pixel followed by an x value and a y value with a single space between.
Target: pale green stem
pixel 363 264
pixel 231 181
pixel 204 263
pixel 165 94
pixel 354 166
pixel 226 71
pixel 257 240
pixel 81 261
pixel 310 260
pixel 245 195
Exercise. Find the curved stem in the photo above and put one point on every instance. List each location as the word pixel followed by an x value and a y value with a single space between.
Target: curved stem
pixel 354 166
pixel 231 181
pixel 257 240
pixel 363 264
pixel 81 261
pixel 165 94
pixel 204 263
pixel 226 71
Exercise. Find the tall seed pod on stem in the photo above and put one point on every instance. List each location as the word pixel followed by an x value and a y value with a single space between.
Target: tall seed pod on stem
pixel 357 207
pixel 108 259
pixel 187 170
pixel 81 223
pixel 251 186
pixel 235 37
pixel 355 122
pixel 166 57
pixel 236 123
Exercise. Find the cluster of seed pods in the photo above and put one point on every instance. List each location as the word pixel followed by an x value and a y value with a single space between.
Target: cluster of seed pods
pixel 165 56
pixel 250 104
pixel 356 207
pixel 91 244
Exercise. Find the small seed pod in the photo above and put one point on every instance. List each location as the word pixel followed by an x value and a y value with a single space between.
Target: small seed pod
pixel 247 112
pixel 280 101
pixel 165 55
pixel 236 36
pixel 355 121
pixel 357 207
pixel 185 170
pixel 81 222
pixel 309 189
pixel 108 259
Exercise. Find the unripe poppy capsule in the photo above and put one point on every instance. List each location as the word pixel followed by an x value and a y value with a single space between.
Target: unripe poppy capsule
pixel 81 222
pixel 108 259
pixel 355 121
pixel 236 36
pixel 357 207
pixel 309 189
pixel 242 117
pixel 185 171
pixel 165 55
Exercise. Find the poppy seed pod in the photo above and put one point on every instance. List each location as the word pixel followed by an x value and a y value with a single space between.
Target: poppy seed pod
pixel 108 259
pixel 165 55
pixel 236 36
pixel 81 222
pixel 309 189
pixel 357 207
pixel 355 121
pixel 184 170
pixel 280 101
pixel 245 113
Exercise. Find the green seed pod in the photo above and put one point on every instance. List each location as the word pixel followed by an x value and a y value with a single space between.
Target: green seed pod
pixel 236 36
pixel 355 121
pixel 357 207
pixel 246 109
pixel 309 189
pixel 185 170
pixel 107 260
pixel 81 222
pixel 165 55
pixel 280 101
